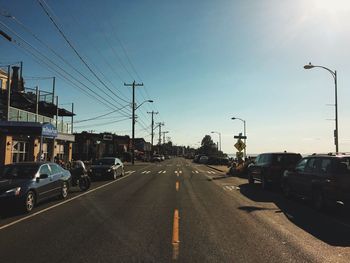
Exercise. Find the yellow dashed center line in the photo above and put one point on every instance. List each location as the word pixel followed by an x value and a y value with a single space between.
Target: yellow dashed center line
pixel 176 240
pixel 177 186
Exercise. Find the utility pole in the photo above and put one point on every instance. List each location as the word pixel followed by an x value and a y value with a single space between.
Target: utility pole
pixel 133 85
pixel 164 132
pixel 160 124
pixel 152 126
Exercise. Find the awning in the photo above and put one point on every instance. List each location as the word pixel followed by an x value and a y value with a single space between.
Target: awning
pixel 28 128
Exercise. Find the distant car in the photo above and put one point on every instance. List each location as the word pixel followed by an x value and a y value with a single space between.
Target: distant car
pixel 107 167
pixel 156 158
pixel 203 159
pixel 26 184
pixel 268 168
pixel 325 179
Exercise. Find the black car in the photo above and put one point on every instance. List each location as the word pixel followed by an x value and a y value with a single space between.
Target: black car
pixel 26 184
pixel 107 167
pixel 324 179
pixel 268 168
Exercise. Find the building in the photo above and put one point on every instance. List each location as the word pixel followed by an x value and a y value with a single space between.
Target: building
pixel 32 126
pixel 89 146
pixel 143 149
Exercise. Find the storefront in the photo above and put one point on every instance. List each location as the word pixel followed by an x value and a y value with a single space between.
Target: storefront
pixel 32 141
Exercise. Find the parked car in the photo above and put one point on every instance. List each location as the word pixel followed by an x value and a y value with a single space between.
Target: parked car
pixel 324 179
pixel 107 167
pixel 26 184
pixel 268 168
pixel 156 158
pixel 203 159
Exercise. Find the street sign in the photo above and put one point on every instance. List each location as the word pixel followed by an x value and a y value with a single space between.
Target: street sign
pixel 240 145
pixel 240 137
pixel 239 155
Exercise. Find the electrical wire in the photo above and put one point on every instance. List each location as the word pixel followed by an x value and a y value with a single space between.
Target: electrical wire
pixel 51 49
pixel 75 50
pixel 52 62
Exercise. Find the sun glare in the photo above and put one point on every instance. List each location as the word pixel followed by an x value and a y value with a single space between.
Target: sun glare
pixel 331 7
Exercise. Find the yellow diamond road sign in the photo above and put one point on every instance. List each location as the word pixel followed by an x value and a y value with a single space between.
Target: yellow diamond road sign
pixel 240 145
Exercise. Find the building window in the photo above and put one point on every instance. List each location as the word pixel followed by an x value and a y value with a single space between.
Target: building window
pixel 19 151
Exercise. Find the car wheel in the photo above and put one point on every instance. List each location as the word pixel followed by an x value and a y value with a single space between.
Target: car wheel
pixel 29 201
pixel 115 175
pixel 64 190
pixel 318 200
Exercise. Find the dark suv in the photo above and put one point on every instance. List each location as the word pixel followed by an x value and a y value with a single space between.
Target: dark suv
pixel 325 179
pixel 268 168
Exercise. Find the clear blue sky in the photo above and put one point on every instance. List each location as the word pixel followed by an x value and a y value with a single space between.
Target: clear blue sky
pixel 203 62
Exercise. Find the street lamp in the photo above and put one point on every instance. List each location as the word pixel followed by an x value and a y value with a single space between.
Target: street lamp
pixel 133 129
pixel 334 75
pixel 150 101
pixel 245 140
pixel 219 138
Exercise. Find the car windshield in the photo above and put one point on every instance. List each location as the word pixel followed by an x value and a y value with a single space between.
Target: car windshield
pixel 287 158
pixel 104 162
pixel 19 171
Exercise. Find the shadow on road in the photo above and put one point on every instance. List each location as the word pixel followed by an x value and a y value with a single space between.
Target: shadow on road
pixel 250 209
pixel 331 226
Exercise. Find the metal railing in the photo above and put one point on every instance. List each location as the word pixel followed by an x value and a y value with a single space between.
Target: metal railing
pixel 21 115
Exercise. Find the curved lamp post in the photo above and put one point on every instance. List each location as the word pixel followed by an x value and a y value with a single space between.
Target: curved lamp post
pixel 334 75
pixel 244 129
pixel 219 138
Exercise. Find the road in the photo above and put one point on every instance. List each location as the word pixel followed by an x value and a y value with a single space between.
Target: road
pixel 174 211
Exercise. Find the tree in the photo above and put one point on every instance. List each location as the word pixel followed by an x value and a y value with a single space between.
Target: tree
pixel 208 147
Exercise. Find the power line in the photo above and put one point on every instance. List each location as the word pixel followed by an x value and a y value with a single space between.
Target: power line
pixel 101 124
pixel 50 48
pixel 75 50
pixel 97 117
pixel 100 99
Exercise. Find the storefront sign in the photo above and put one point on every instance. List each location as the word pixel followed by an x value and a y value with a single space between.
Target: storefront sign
pixel 48 130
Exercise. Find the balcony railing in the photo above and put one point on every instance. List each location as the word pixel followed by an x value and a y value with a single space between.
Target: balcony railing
pixel 21 115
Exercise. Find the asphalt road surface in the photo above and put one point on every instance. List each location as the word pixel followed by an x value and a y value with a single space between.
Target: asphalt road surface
pixel 174 211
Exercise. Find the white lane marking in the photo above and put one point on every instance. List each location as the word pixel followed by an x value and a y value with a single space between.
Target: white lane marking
pixel 144 172
pixel 61 203
pixel 164 172
pixel 180 172
pixel 197 172
pixel 160 171
pixel 148 172
pixel 178 165
pixel 193 172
